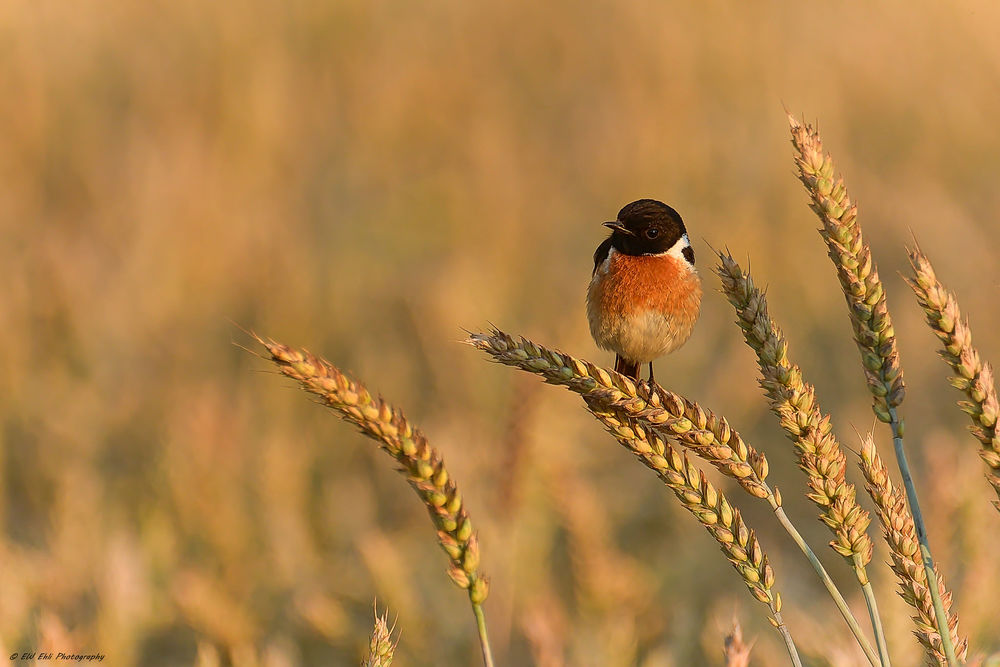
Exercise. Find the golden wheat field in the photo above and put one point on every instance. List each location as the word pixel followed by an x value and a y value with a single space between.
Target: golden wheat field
pixel 373 181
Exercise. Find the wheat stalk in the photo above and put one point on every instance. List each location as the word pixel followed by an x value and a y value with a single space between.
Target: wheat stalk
pixel 698 496
pixel 709 506
pixel 904 552
pixel 972 376
pixel 793 400
pixel 705 434
pixel 420 463
pixel 650 407
pixel 820 456
pixel 856 269
pixel 873 331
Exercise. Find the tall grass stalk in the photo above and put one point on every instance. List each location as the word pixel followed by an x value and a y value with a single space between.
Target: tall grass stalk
pixel 973 377
pixel 870 319
pixel 820 455
pixel 709 506
pixel 905 558
pixel 671 417
pixel 484 639
pixel 420 463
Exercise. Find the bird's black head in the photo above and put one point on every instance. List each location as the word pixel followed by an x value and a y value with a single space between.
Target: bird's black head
pixel 648 227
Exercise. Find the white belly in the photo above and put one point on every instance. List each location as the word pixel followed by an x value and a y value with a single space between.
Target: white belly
pixel 639 337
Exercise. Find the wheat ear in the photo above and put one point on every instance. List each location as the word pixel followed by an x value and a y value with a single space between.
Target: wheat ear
pixel 869 316
pixel 820 456
pixel 382 646
pixel 420 463
pixel 709 506
pixel 672 417
pixel 972 376
pixel 735 650
pixel 856 269
pixel 904 553
pixel 705 434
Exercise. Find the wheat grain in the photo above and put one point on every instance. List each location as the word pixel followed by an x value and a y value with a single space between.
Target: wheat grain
pixel 793 400
pixel 649 407
pixel 856 269
pixel 735 650
pixel 904 551
pixel 873 331
pixel 420 463
pixel 641 418
pixel 972 376
pixel 820 456
pixel 709 506
pixel 705 434
pixel 698 496
pixel 381 646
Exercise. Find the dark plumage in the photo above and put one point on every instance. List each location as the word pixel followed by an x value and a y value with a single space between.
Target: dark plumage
pixel 646 227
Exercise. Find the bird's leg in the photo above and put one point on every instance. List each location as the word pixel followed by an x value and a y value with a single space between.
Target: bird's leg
pixel 628 368
pixel 651 381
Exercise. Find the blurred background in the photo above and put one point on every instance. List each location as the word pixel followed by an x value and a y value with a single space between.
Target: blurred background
pixel 368 178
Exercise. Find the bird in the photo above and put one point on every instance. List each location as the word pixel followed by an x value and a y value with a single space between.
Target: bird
pixel 645 293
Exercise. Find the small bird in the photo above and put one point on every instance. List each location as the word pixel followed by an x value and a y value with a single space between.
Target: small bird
pixel 645 294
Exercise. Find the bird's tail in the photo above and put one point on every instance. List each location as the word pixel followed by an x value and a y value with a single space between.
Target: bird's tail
pixel 627 368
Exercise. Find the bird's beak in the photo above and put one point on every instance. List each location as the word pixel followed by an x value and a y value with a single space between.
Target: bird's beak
pixel 618 227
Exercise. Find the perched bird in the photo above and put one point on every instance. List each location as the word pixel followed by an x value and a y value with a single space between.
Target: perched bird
pixel 645 294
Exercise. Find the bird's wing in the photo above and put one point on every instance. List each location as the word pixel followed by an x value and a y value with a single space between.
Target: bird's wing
pixel 601 254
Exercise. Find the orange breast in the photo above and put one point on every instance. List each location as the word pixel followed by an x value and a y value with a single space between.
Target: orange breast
pixel 648 283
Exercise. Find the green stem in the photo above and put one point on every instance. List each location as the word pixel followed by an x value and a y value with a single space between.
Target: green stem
pixel 838 599
pixel 484 640
pixel 789 644
pixel 883 650
pixel 925 548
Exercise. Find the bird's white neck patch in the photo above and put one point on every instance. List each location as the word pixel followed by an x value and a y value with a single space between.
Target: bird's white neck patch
pixel 677 251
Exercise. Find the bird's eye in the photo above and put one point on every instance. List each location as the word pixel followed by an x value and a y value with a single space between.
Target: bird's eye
pixel 652 233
